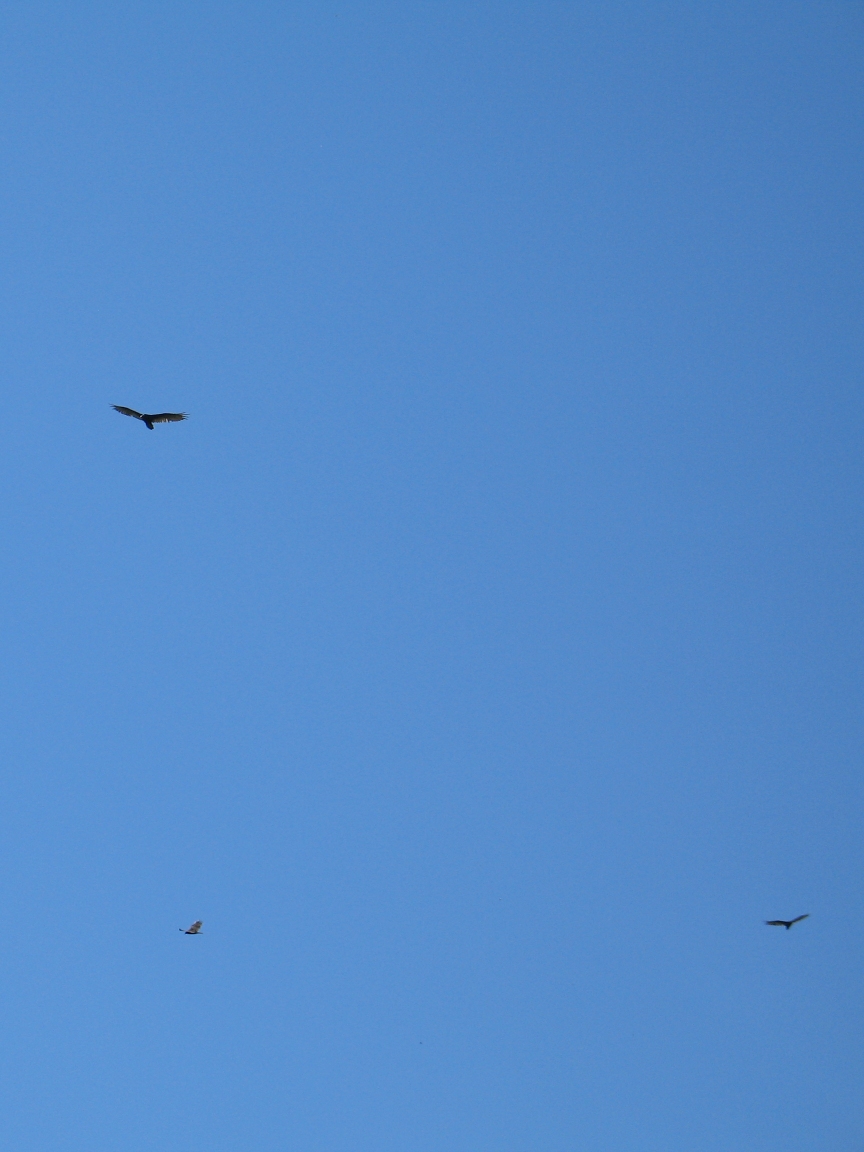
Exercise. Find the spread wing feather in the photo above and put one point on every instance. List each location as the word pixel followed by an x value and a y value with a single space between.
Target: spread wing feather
pixel 127 411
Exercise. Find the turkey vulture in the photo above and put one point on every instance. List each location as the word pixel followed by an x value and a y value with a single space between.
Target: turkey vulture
pixel 194 930
pixel 787 924
pixel 158 418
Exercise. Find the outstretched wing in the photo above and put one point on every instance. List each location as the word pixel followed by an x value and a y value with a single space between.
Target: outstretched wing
pixel 127 411
pixel 777 923
pixel 797 918
pixel 195 928
pixel 167 417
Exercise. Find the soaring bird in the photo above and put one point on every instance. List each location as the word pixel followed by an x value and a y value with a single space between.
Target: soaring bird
pixel 194 929
pixel 787 924
pixel 158 418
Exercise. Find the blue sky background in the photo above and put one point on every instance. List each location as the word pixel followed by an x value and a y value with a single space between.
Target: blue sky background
pixel 482 659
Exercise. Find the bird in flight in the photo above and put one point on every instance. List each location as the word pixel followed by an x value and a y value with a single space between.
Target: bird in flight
pixel 158 418
pixel 194 929
pixel 787 924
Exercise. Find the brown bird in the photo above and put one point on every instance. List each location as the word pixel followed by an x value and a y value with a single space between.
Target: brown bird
pixel 194 929
pixel 158 418
pixel 787 924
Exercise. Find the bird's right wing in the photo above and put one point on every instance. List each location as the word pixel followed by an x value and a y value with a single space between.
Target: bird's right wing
pixel 196 927
pixel 127 411
pixel 797 918
pixel 776 923
pixel 167 417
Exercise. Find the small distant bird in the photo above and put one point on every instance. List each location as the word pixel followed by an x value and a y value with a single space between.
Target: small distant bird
pixel 787 924
pixel 158 418
pixel 194 929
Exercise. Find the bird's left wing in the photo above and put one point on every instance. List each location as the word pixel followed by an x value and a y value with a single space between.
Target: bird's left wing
pixel 126 411
pixel 797 918
pixel 776 923
pixel 167 417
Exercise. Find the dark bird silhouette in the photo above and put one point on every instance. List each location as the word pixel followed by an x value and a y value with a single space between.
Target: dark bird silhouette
pixel 787 924
pixel 194 929
pixel 157 418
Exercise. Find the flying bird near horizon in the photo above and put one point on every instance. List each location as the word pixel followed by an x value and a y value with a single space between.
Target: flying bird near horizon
pixel 194 929
pixel 787 924
pixel 157 418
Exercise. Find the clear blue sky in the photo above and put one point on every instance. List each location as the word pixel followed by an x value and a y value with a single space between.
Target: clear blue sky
pixel 481 661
